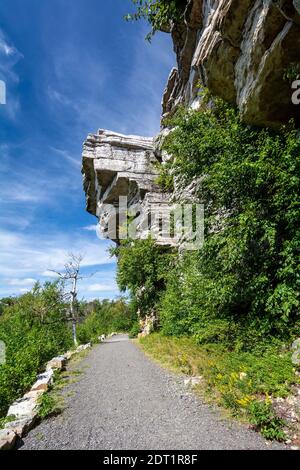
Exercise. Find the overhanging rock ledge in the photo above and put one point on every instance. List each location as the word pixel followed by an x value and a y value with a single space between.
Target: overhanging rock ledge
pixel 116 166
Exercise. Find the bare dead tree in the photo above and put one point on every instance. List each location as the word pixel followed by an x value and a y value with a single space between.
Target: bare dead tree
pixel 70 276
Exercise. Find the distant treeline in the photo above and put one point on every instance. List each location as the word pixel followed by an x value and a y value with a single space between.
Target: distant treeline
pixel 34 328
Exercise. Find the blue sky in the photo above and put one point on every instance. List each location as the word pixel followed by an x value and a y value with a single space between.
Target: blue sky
pixel 70 68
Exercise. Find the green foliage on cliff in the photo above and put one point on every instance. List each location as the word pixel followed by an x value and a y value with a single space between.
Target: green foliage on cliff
pixel 243 287
pixel 245 283
pixel 142 270
pixel 34 329
pixel 158 13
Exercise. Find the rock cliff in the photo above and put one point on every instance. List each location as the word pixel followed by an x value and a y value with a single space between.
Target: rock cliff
pixel 247 52
pixel 119 180
pixel 244 51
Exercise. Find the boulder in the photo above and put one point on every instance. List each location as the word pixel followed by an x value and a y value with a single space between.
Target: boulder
pixel 193 381
pixel 23 407
pixel 24 412
pixel 296 353
pixel 7 439
pixel 296 344
pixel 69 354
pixel 57 363
pixel 22 426
pixel 34 394
pixel 83 347
pixel 147 325
pixel 44 381
pixel 119 177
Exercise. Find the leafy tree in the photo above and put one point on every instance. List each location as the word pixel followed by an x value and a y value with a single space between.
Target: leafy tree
pixel 4 302
pixel 158 13
pixel 142 269
pixel 106 317
pixel 243 287
pixel 34 329
pixel 248 273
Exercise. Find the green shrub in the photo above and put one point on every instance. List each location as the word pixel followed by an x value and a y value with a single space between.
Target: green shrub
pixel 106 317
pixel 263 417
pixel 7 419
pixel 142 270
pixel 237 381
pixel 34 329
pixel 48 406
pixel 158 13
pixel 165 178
pixel 213 332
pixel 135 330
pixel 247 275
pixel 292 72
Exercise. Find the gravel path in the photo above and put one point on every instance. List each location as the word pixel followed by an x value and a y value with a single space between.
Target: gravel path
pixel 125 401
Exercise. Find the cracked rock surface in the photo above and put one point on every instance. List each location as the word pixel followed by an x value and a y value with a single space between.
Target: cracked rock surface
pixel 241 51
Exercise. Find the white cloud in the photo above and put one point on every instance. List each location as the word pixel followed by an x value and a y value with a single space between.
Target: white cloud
pixel 24 290
pixel 101 287
pixel 50 274
pixel 11 219
pixel 66 156
pixel 8 50
pixel 58 97
pixel 23 254
pixel 9 56
pixel 19 192
pixel 34 185
pixel 21 282
pixel 91 228
pixel 27 258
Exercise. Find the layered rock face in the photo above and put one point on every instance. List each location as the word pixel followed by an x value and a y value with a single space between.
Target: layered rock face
pixel 119 181
pixel 244 51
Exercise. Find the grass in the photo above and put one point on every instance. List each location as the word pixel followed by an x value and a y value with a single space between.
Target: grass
pixel 240 382
pixel 6 420
pixel 52 403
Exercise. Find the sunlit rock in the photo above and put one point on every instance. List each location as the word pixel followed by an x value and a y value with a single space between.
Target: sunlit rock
pixel 120 176
pixel 242 51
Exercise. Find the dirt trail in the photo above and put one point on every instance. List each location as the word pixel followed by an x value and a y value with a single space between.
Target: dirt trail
pixel 125 401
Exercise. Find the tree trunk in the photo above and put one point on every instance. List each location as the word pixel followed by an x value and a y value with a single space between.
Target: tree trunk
pixel 74 332
pixel 73 313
